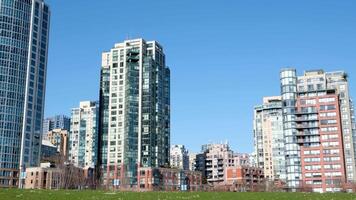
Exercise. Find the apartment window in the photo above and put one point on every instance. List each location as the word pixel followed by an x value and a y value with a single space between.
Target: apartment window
pixel 327 100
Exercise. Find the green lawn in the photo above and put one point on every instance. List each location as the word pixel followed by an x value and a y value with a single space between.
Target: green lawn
pixel 9 194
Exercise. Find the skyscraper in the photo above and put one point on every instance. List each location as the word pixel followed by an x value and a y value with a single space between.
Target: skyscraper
pixel 134 110
pixel 83 135
pixel 319 130
pixel 269 138
pixel 23 65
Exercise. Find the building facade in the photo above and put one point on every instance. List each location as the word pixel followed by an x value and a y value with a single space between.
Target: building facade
pixel 168 179
pixel 179 157
pixel 217 158
pixel 23 65
pixel 83 136
pixel 320 138
pixel 319 130
pixel 244 179
pixel 192 161
pixel 135 110
pixel 48 150
pixel 269 138
pixel 241 159
pixel 56 122
pixel 60 139
pixel 65 176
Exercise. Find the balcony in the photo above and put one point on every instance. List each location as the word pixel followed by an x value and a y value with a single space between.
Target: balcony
pixel 307 126
pixel 304 112
pixel 303 141
pixel 306 119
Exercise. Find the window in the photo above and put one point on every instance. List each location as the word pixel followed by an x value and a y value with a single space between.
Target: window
pixel 327 100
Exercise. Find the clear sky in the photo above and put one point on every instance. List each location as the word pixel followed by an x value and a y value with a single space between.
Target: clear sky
pixel 224 55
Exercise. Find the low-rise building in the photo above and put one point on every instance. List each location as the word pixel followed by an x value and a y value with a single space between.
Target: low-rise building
pixel 43 177
pixel 168 179
pixel 217 158
pixel 66 176
pixel 244 178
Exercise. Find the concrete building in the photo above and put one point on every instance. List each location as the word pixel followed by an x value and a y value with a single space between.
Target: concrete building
pixel 83 136
pixel 134 110
pixel 241 159
pixel 168 179
pixel 192 161
pixel 217 158
pixel 23 66
pixel 179 157
pixel 269 138
pixel 319 130
pixel 60 139
pixel 55 122
pixel 49 176
pixel 43 177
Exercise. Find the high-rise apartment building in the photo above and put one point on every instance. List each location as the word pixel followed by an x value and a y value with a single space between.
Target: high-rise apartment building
pixel 134 110
pixel 269 138
pixel 56 122
pixel 23 65
pixel 319 130
pixel 83 136
pixel 179 157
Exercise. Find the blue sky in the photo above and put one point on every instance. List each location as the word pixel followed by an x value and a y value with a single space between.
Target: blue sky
pixel 224 55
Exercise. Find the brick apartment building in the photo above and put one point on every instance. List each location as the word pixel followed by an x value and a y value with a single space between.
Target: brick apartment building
pixel 168 179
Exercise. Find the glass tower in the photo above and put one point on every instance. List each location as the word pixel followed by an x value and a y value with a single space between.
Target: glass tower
pixel 134 110
pixel 292 149
pixel 302 124
pixel 23 65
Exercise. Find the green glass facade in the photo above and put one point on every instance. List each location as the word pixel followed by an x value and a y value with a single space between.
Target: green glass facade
pixel 135 110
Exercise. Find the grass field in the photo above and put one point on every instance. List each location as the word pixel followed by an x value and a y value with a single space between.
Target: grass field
pixel 9 194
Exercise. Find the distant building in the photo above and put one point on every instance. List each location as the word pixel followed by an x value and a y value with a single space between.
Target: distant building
pixel 60 139
pixel 48 150
pixel 192 161
pixel 168 179
pixel 269 138
pixel 200 165
pixel 179 157
pixel 241 159
pixel 83 136
pixel 56 122
pixel 217 158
